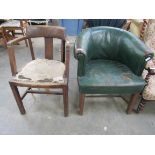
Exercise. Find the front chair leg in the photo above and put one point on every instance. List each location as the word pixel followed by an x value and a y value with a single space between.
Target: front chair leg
pixel 17 98
pixel 81 103
pixel 141 106
pixel 132 102
pixel 65 100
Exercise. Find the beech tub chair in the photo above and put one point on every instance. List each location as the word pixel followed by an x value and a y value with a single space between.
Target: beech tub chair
pixel 47 73
pixel 110 62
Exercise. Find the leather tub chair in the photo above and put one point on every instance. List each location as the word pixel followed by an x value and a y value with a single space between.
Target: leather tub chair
pixel 110 62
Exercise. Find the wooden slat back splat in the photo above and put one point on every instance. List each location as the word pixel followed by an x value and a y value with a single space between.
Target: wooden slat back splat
pixel 49 48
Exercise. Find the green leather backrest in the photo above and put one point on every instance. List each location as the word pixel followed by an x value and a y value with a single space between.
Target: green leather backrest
pixel 110 43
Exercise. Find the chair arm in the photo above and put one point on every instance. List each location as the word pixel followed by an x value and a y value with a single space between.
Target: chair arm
pixel 80 51
pixel 80 55
pixel 16 40
pixel 67 59
pixel 81 63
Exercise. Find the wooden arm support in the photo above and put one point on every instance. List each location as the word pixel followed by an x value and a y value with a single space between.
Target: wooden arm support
pixel 67 60
pixel 16 40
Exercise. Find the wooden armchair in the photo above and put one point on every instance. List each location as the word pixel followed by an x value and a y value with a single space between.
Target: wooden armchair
pixel 41 73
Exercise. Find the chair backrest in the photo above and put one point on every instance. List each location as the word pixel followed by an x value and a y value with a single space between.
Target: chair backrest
pixel 48 33
pixel 115 44
pixel 106 22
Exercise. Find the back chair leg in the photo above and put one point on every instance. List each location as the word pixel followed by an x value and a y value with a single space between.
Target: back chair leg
pixel 132 102
pixel 141 105
pixel 25 39
pixel 17 98
pixel 65 100
pixel 81 103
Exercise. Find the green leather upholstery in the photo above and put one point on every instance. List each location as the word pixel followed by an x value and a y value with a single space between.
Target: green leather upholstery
pixel 110 61
pixel 110 77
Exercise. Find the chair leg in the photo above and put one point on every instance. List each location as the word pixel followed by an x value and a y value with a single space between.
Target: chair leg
pixel 132 102
pixel 17 98
pixel 25 39
pixel 65 100
pixel 141 105
pixel 81 103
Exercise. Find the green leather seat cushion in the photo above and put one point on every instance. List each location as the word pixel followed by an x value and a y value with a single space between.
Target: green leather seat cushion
pixel 109 77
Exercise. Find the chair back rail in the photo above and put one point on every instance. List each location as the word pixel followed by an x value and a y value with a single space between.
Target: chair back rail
pixel 45 31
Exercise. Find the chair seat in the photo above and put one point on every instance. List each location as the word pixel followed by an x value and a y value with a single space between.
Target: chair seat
pixel 41 71
pixel 109 77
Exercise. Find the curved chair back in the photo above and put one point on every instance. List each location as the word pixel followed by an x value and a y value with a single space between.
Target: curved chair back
pixel 115 44
pixel 106 22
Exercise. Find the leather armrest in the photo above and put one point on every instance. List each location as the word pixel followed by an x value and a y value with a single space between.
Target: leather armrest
pixel 80 51
pixel 80 55
pixel 81 64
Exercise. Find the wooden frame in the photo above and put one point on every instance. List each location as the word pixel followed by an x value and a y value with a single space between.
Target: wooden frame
pixel 130 107
pixel 47 32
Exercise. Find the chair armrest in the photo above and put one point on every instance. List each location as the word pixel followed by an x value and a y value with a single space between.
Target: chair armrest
pixel 80 55
pixel 67 59
pixel 11 53
pixel 80 51
pixel 16 40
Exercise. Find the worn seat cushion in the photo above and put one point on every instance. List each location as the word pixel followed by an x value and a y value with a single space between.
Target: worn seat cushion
pixel 109 77
pixel 41 71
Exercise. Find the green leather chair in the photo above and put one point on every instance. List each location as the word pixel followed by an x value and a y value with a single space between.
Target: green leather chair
pixel 110 61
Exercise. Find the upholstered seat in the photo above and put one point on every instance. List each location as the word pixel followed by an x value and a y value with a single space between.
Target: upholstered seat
pixel 42 70
pixel 110 77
